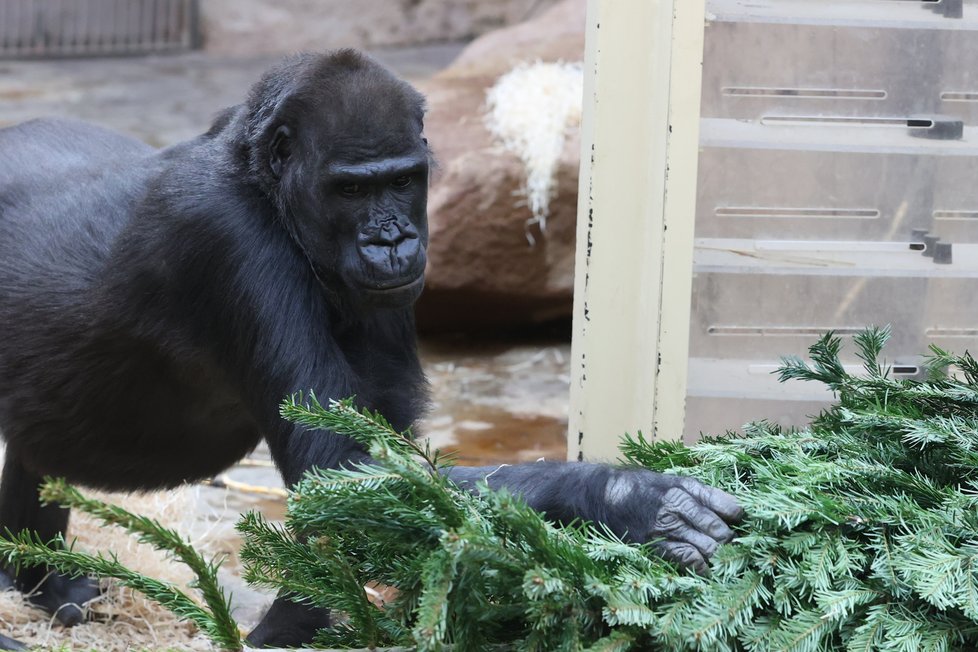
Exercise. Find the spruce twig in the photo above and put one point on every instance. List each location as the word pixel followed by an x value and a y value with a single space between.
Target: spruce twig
pixel 27 549
pixel 215 621
pixel 221 627
pixel 861 534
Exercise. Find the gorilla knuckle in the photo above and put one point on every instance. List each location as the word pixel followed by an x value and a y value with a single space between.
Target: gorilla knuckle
pixel 620 487
pixel 685 554
pixel 678 499
pixel 668 521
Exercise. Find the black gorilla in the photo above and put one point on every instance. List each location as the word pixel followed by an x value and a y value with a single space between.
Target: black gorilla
pixel 156 306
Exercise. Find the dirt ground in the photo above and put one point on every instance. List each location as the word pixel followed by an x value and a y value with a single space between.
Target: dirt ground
pixel 492 402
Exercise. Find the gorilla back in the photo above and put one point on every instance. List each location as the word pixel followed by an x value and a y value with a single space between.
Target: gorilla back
pixel 85 391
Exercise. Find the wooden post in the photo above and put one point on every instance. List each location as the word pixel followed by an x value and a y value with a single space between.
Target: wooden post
pixel 640 140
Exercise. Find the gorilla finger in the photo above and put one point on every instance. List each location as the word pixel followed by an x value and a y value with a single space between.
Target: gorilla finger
pixel 719 501
pixel 684 554
pixel 706 545
pixel 706 521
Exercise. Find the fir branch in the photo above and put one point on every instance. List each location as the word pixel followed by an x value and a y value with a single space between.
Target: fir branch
pixel 27 549
pixel 221 626
pixel 870 343
pixel 369 428
pixel 861 534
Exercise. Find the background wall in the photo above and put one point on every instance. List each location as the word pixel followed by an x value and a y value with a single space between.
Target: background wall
pixel 269 26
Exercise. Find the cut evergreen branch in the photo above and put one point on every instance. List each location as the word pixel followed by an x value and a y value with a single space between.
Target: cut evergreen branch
pixel 861 534
pixel 26 549
pixel 215 620
pixel 221 627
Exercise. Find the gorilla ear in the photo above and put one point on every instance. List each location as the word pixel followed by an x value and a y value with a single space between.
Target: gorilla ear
pixel 279 149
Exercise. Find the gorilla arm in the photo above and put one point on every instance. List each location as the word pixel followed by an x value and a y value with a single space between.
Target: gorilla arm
pixel 689 518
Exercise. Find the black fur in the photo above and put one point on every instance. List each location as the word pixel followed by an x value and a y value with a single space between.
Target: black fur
pixel 156 306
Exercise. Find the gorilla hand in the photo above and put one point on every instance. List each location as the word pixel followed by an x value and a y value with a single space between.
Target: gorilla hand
pixel 690 518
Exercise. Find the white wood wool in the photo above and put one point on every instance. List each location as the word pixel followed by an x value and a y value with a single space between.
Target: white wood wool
pixel 530 110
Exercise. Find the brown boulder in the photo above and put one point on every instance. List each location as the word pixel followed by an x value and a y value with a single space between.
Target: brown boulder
pixel 482 270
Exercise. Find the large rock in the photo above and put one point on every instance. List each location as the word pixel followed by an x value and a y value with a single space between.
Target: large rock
pixel 482 271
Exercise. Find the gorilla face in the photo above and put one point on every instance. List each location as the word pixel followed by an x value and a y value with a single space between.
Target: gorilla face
pixel 352 169
pixel 383 255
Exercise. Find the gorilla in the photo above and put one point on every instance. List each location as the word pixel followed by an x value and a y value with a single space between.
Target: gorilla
pixel 157 305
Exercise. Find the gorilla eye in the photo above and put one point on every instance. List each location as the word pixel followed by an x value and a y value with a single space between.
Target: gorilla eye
pixel 402 181
pixel 350 189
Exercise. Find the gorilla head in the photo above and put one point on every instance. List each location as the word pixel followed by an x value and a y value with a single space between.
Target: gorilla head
pixel 347 168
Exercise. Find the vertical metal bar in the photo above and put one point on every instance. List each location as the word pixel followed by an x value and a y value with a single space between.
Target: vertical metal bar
pixel 86 29
pixel 107 20
pixel 133 41
pixel 24 28
pixel 146 29
pixel 35 37
pixel 29 26
pixel 193 40
pixel 634 256
pixel 108 25
pixel 130 31
pixel 173 34
pixel 121 21
pixel 4 26
pixel 96 9
pixel 15 28
pixel 58 27
pixel 173 26
pixel 72 28
pixel 123 26
pixel 162 12
pixel 163 22
pixel 105 9
pixel 149 24
pixel 82 29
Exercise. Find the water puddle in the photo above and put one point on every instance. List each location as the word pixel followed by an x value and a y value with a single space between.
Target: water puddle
pixel 490 436
pixel 497 402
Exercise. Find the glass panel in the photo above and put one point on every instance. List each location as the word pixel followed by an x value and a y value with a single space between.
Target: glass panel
pixel 838 188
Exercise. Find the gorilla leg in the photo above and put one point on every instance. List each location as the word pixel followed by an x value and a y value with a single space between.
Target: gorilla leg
pixel 288 624
pixel 21 509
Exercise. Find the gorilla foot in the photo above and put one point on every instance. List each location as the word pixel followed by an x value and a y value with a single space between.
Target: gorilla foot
pixel 63 596
pixel 288 624
pixel 7 643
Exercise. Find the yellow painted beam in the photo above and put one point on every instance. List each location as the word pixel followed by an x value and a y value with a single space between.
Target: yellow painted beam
pixel 636 211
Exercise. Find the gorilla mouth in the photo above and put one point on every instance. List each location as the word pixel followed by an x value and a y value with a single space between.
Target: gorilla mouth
pixel 397 286
pixel 401 294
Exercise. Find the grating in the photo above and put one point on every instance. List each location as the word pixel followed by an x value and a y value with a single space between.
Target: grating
pixel 59 28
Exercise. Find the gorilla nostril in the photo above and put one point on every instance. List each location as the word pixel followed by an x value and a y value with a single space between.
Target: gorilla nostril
pixel 386 240
pixel 390 235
